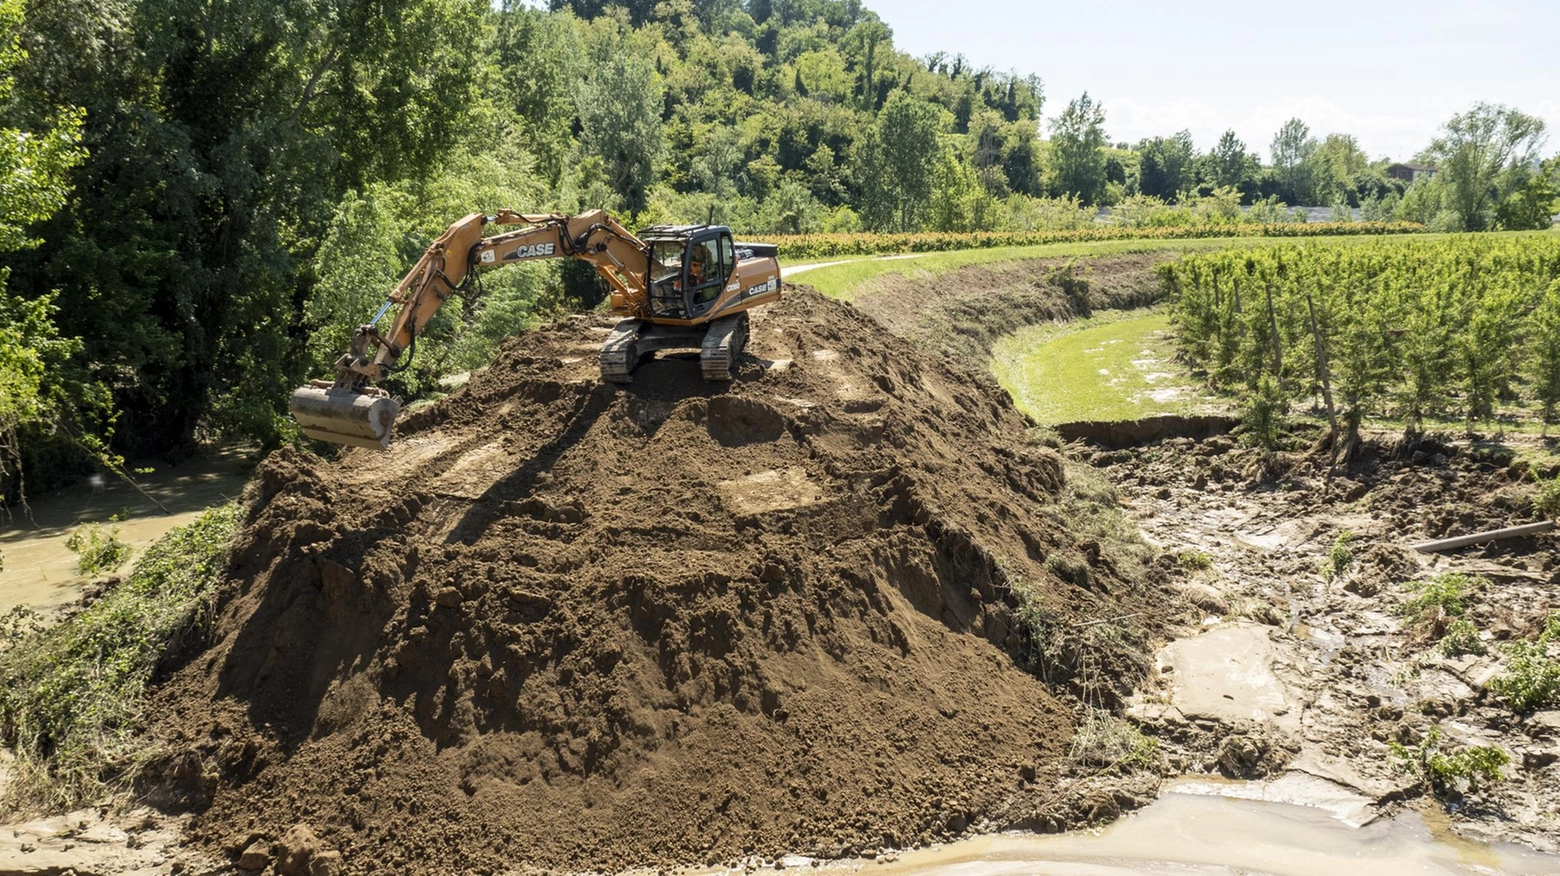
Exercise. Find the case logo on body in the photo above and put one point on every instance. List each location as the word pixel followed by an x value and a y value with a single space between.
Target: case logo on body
pixel 532 252
pixel 769 285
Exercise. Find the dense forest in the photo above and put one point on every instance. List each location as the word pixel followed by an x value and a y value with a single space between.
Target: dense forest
pixel 199 199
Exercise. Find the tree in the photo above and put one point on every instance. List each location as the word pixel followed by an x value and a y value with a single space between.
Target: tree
pixel 1484 155
pixel 1533 206
pixel 896 162
pixel 1077 138
pixel 620 119
pixel 36 390
pixel 1166 166
pixel 1336 168
pixel 1229 165
pixel 1292 148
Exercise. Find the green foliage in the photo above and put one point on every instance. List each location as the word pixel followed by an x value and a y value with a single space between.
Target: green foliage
pixel 619 108
pixel 1484 155
pixel 1194 560
pixel 1462 637
pixel 1456 774
pixel 1292 148
pixel 1104 741
pixel 1531 678
pixel 1438 601
pixel 70 693
pixel 97 549
pixel 1265 414
pixel 1409 330
pixel 1547 500
pixel 1077 136
pixel 1339 560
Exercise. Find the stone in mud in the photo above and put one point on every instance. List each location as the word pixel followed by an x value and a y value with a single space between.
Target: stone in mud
pixel 256 857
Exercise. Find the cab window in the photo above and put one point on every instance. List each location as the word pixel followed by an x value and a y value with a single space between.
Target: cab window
pixel 704 271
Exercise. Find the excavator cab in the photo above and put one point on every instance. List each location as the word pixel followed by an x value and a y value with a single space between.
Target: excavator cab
pixel 689 268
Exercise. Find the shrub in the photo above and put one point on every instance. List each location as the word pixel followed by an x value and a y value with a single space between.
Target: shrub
pixel 1339 559
pixel 98 550
pixel 1438 601
pixel 1194 560
pixel 1108 742
pixel 70 693
pixel 1448 774
pixel 1462 637
pixel 1532 678
pixel 1547 500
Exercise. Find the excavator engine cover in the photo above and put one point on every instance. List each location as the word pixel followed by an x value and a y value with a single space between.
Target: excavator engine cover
pixel 345 416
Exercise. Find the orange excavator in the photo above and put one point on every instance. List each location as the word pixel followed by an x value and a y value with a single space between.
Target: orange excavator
pixel 672 286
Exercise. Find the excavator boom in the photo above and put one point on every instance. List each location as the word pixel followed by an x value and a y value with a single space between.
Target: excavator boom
pixel 680 286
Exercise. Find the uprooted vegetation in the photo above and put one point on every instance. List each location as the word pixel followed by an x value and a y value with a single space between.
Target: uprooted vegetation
pixel 71 692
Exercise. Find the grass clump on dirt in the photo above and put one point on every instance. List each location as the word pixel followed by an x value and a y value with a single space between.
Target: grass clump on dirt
pixel 1439 601
pixel 1193 560
pixel 70 693
pixel 1107 742
pixel 1339 560
pixel 1532 677
pixel 98 549
pixel 1547 500
pixel 1448 775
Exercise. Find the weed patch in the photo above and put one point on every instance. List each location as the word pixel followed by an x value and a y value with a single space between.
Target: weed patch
pixel 70 693
pixel 1450 775
pixel 1532 677
pixel 1193 560
pixel 1339 560
pixel 1104 741
pixel 1438 601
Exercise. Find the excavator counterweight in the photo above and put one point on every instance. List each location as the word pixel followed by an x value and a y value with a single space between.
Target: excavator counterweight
pixel 672 286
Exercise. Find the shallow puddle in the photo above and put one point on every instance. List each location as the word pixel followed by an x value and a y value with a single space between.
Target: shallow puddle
pixel 1194 833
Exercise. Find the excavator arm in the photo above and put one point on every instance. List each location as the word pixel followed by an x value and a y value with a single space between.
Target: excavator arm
pixel 351 410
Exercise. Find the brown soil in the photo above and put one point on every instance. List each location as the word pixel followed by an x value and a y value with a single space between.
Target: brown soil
pixel 1356 673
pixel 569 625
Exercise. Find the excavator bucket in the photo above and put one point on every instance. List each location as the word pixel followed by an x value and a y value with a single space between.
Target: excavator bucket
pixel 344 416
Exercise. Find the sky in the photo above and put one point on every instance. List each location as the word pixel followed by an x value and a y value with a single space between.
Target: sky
pixel 1390 73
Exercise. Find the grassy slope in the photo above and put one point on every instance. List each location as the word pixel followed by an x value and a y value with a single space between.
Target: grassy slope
pixel 1116 366
pixel 846 280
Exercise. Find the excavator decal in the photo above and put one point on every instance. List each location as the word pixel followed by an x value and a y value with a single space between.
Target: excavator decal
pixel 664 290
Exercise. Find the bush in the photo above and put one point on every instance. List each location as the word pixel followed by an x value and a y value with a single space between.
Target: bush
pixel 1449 774
pixel 70 693
pixel 1532 678
pixel 1438 601
pixel 98 550
pixel 1339 559
pixel 1462 637
pixel 1108 742
pixel 1547 500
pixel 1194 560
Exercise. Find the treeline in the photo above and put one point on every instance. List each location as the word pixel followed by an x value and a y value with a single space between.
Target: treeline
pixel 1464 328
pixel 203 198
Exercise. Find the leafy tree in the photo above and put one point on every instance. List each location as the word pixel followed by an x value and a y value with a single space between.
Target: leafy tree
pixel 619 108
pixel 1292 148
pixel 1167 166
pixel 896 162
pixel 1229 165
pixel 1077 137
pixel 1335 169
pixel 1533 206
pixel 40 391
pixel 1484 155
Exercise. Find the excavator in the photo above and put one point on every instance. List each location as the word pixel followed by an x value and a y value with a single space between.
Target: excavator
pixel 672 286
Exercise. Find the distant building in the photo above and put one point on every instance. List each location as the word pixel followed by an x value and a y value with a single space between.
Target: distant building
pixel 1411 172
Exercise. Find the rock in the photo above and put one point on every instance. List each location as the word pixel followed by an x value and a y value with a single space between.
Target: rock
pixel 1205 597
pixel 449 597
pixel 297 851
pixel 327 864
pixel 256 857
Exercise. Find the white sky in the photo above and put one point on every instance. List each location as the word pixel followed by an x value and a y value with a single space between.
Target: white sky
pixel 1388 72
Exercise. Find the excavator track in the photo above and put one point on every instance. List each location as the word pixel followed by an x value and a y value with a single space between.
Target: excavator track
pixel 722 346
pixel 620 353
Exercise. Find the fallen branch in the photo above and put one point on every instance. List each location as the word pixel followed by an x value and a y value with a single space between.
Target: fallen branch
pixel 1451 544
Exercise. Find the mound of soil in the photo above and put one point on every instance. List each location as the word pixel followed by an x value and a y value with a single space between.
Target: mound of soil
pixel 566 624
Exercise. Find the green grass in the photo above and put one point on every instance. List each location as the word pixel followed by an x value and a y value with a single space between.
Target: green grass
pixel 70 693
pixel 846 281
pixel 1115 366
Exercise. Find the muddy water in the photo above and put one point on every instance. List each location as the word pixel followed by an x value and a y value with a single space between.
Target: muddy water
pixel 1185 833
pixel 40 572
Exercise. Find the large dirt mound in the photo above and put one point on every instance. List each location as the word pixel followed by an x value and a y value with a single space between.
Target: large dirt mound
pixel 567 624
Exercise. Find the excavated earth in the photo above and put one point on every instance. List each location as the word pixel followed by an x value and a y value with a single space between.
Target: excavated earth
pixel 570 625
